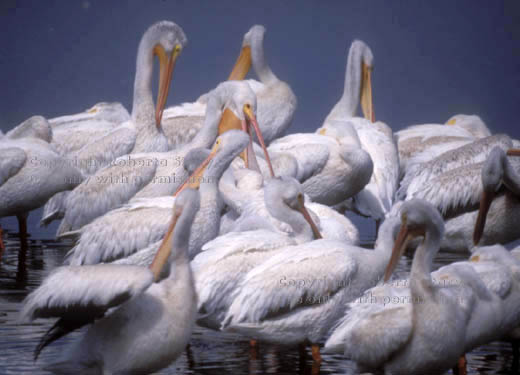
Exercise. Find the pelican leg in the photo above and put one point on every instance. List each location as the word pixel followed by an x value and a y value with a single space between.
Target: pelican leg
pixel 460 369
pixel 22 225
pixel 253 349
pixel 316 353
pixel 189 357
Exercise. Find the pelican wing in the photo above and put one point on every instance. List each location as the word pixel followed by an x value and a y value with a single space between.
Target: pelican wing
pixel 375 325
pixel 472 153
pixel 182 122
pixel 224 261
pixel 293 278
pixel 85 290
pixel 80 295
pixel 455 189
pixel 101 151
pixel 107 189
pixel 311 151
pixel 123 231
pixel 377 140
pixel 12 160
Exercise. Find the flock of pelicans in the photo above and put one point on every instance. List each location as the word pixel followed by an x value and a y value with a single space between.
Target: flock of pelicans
pixel 256 242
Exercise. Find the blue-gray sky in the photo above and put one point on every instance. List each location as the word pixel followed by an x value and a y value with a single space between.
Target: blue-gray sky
pixel 432 59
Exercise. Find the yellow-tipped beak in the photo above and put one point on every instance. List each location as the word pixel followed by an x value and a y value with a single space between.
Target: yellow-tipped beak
pixel 161 257
pixel 166 66
pixel 252 119
pixel 242 65
pixel 451 122
pixel 366 93
pixel 308 218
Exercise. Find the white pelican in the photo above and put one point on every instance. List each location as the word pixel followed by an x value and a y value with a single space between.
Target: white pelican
pixel 296 295
pixel 457 192
pixel 249 208
pixel 499 201
pixel 417 178
pixel 426 333
pixel 330 166
pixel 420 143
pixel 376 138
pixel 30 173
pixel 33 127
pixel 276 101
pixel 143 221
pixel 224 262
pixel 155 317
pixel 92 150
pixel 485 288
pixel 71 132
pixel 231 105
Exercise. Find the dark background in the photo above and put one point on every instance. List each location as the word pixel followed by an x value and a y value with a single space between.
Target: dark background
pixel 433 59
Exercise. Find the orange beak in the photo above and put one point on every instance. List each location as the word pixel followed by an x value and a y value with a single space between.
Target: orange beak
pixel 194 180
pixel 400 244
pixel 164 249
pixel 242 65
pixel 252 119
pixel 485 204
pixel 308 218
pixel 166 66
pixel 366 93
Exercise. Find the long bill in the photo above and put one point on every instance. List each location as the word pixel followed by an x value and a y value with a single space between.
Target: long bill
pixel 366 93
pixel 166 66
pixel 161 257
pixel 230 121
pixel 252 119
pixel 242 65
pixel 399 247
pixel 194 180
pixel 485 204
pixel 308 218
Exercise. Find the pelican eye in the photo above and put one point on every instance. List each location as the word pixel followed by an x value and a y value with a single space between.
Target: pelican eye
pixel 178 48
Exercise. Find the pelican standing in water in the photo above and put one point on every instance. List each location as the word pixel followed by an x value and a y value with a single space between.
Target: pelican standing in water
pixel 297 295
pixel 143 133
pixel 232 105
pixel 424 335
pixel 142 222
pixel 276 101
pixel 376 138
pixel 31 172
pixel 156 306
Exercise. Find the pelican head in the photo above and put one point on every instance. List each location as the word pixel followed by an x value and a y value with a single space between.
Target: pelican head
pixel 243 63
pixel 165 40
pixel 33 127
pixel 360 52
pixel 472 123
pixel 418 219
pixel 493 176
pixel 240 113
pixel 496 253
pixel 290 192
pixel 226 148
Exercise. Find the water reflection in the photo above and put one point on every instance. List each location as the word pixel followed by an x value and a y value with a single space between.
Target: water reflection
pixel 209 353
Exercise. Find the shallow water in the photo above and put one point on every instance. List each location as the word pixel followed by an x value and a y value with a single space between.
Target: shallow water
pixel 210 353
